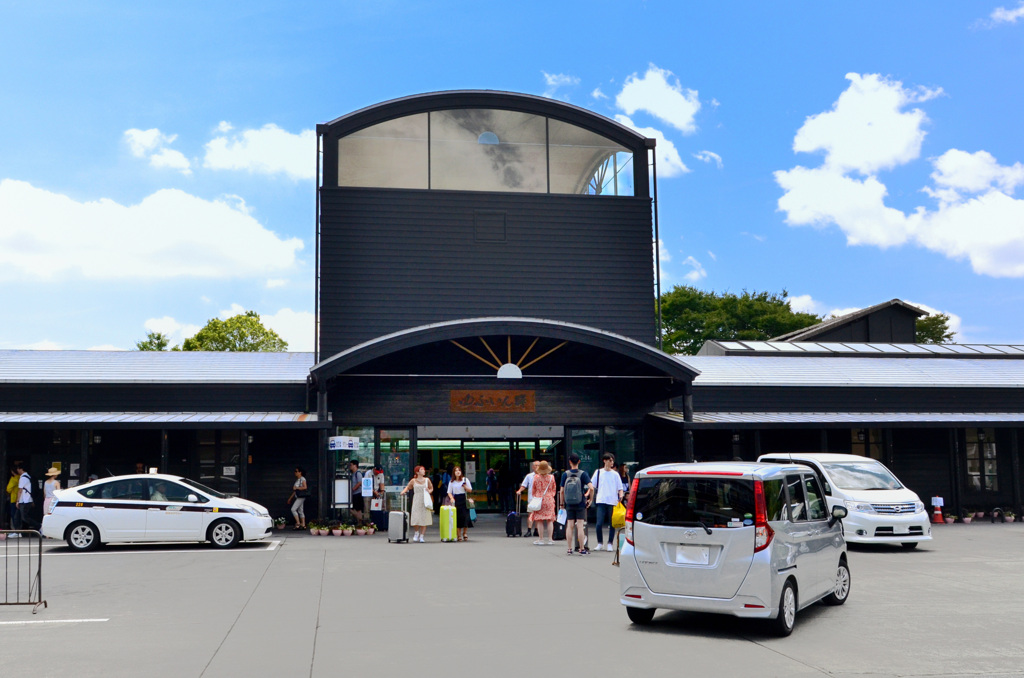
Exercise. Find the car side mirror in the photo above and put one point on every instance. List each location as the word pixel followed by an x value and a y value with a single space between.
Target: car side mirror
pixel 838 513
pixel 192 498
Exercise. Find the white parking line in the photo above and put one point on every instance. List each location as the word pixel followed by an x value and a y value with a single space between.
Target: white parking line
pixel 52 621
pixel 120 549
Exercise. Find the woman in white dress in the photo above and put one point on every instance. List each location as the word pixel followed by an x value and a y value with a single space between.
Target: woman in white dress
pixel 421 517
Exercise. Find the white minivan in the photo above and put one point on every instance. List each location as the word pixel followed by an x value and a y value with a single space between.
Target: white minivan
pixel 881 508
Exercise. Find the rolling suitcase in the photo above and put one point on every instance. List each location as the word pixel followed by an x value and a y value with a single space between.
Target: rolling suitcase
pixel 514 522
pixel 398 525
pixel 448 525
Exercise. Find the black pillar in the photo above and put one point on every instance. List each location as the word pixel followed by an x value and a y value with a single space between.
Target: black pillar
pixel 688 417
pixel 326 482
pixel 1015 468
pixel 165 452
pixel 954 454
pixel 6 476
pixel 887 452
pixel 243 462
pixel 83 465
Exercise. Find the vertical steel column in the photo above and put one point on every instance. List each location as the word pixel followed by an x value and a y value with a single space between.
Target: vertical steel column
pixel 165 452
pixel 316 277
pixel 83 467
pixel 688 418
pixel 1018 505
pixel 326 481
pixel 650 143
pixel 243 462
pixel 954 455
pixel 887 450
pixel 6 476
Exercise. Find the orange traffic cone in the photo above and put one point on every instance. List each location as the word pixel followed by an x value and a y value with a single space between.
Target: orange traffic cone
pixel 937 515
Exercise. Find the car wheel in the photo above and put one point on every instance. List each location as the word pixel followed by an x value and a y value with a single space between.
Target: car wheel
pixel 909 545
pixel 224 534
pixel 82 536
pixel 784 623
pixel 639 615
pixel 842 589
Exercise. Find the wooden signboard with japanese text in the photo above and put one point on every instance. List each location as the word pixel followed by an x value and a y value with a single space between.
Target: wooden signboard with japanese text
pixel 493 401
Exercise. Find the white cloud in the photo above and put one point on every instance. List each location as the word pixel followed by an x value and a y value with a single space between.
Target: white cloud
pixel 555 81
pixel 712 255
pixel 236 309
pixel 976 217
pixel 152 144
pixel 838 312
pixel 268 150
pixel 867 129
pixel 276 282
pixel 709 157
pixel 598 94
pixel 224 126
pixel 168 234
pixel 659 93
pixel 669 162
pixel 697 271
pixel 663 253
pixel 1002 15
pixel 804 303
pixel 975 172
pixel 755 236
pixel 295 327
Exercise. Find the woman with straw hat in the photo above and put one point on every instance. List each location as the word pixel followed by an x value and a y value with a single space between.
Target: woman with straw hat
pixel 49 487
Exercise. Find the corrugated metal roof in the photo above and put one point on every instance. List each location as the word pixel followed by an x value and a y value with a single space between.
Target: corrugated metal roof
pixel 891 372
pixel 72 367
pixel 72 419
pixel 848 348
pixel 852 418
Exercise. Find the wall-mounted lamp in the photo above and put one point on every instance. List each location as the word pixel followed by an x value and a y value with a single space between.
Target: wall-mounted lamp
pixel 981 436
pixel 735 437
pixel 97 440
pixel 860 436
pixel 250 440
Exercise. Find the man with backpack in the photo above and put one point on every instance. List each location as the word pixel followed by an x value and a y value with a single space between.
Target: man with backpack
pixel 575 495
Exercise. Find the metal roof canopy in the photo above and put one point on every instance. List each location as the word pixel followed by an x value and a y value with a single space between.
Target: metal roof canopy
pixel 859 350
pixel 189 420
pixel 854 372
pixel 747 420
pixel 153 367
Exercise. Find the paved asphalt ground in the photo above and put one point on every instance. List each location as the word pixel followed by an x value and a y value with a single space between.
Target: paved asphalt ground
pixel 345 606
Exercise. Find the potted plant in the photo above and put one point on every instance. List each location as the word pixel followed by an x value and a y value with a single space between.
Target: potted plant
pixel 950 518
pixel 335 528
pixel 968 517
pixel 279 522
pixel 979 514
pixel 360 530
pixel 370 528
pixel 1010 516
pixel 346 530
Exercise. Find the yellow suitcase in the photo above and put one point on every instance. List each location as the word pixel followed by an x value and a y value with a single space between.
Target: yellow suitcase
pixel 447 523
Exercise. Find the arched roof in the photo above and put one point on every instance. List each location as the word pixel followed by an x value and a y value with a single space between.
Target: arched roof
pixel 512 101
pixel 357 355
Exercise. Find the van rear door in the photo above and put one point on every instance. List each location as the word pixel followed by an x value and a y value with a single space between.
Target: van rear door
pixel 693 535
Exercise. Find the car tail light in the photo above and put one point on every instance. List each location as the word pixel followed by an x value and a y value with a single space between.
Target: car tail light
pixel 628 531
pixel 53 505
pixel 763 533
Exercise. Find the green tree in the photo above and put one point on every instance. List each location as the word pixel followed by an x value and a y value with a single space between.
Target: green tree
pixel 154 341
pixel 934 329
pixel 691 316
pixel 243 332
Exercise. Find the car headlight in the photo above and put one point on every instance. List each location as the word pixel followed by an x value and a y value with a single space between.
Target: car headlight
pixel 918 507
pixel 860 506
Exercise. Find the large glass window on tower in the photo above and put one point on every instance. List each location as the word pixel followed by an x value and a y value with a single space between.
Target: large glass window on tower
pixel 479 149
pixel 391 154
pixel 585 162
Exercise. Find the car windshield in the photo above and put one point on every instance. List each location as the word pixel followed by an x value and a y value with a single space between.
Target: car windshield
pixel 204 488
pixel 694 500
pixel 861 475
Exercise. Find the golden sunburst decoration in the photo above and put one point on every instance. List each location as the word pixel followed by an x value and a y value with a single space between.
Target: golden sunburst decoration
pixel 508 370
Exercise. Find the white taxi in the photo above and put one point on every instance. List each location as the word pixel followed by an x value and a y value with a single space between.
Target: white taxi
pixel 152 507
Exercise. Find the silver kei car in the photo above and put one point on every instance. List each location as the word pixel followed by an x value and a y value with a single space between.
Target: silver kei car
pixel 741 538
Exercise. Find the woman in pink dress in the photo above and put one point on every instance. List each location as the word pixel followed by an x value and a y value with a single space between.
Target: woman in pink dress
pixel 544 487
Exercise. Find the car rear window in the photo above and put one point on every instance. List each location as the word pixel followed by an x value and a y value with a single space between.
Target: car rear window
pixel 694 499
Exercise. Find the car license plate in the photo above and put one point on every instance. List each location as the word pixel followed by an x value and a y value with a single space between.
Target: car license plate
pixel 693 555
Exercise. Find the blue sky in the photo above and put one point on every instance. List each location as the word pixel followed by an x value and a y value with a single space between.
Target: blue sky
pixel 156 161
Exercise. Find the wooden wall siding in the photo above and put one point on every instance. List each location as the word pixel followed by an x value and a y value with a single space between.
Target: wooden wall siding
pixel 394 259
pixel 921 461
pixel 152 398
pixel 275 454
pixel 409 402
pixel 888 325
pixel 837 399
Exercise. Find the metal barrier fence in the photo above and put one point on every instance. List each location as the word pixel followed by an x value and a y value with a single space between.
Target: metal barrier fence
pixel 22 553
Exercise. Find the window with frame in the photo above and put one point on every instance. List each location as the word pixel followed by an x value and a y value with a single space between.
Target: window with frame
pixel 982 464
pixel 815 503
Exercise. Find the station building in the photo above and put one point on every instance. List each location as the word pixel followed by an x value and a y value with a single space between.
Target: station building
pixel 486 295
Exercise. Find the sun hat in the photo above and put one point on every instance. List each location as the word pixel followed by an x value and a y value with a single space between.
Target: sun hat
pixel 54 471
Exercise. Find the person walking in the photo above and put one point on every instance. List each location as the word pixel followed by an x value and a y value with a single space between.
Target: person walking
pixel 356 485
pixel 420 517
pixel 49 487
pixel 608 492
pixel 575 497
pixel 457 489
pixel 492 488
pixel 543 486
pixel 12 495
pixel 527 485
pixel 25 501
pixel 300 490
